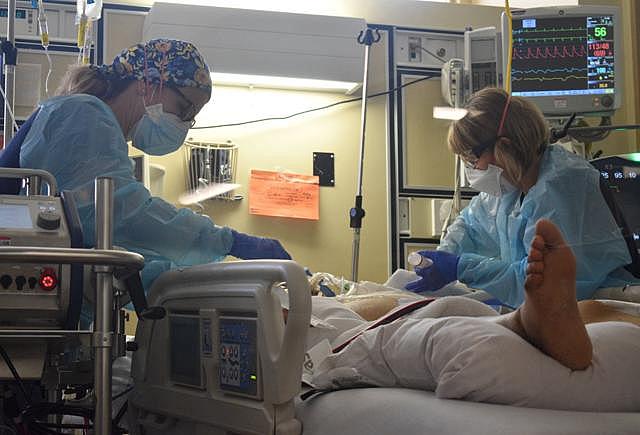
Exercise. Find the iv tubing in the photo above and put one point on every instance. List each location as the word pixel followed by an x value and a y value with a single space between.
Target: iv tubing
pixel 507 79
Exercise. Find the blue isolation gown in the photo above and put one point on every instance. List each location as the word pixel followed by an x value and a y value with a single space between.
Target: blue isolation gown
pixel 493 234
pixel 77 138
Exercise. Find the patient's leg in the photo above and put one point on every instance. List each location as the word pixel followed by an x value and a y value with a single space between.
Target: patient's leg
pixel 549 317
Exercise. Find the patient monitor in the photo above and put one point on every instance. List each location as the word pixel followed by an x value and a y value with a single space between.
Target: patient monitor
pixel 565 59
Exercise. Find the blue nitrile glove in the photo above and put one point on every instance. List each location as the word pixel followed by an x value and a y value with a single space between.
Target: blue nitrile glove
pixel 249 247
pixel 443 271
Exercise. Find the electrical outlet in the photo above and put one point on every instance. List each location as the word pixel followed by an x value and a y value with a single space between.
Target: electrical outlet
pixel 415 49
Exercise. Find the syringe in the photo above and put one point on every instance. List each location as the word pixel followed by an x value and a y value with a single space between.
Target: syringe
pixel 419 261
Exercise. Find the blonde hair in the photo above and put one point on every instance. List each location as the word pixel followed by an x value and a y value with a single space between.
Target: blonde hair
pixel 85 79
pixel 524 126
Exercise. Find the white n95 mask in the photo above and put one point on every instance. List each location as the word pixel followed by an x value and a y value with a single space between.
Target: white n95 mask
pixel 159 133
pixel 490 180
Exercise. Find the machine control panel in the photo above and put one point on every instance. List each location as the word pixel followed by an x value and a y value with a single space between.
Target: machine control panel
pixel 25 23
pixel 33 291
pixel 238 355
pixel 48 220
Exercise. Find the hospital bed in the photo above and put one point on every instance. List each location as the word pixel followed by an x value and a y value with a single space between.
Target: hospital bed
pixel 212 355
pixel 222 362
pixel 241 373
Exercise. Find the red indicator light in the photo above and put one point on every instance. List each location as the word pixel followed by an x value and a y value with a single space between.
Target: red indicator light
pixel 48 279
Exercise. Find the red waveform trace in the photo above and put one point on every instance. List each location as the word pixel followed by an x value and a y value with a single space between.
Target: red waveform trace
pixel 551 52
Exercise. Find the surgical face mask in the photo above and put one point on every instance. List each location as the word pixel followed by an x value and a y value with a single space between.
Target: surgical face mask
pixel 490 180
pixel 159 133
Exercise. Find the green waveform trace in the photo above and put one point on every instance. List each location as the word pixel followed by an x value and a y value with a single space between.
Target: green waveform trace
pixel 577 29
pixel 558 38
pixel 547 79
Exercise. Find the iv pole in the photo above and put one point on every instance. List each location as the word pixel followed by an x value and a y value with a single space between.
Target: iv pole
pixel 357 212
pixel 9 61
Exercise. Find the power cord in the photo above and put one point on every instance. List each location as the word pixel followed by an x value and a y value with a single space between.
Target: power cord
pixel 15 375
pixel 328 106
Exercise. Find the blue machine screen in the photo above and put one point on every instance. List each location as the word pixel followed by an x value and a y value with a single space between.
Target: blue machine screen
pixel 557 56
pixel 238 355
pixel 21 14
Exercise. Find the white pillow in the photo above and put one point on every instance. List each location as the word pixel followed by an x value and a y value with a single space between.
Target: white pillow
pixel 493 364
pixel 478 360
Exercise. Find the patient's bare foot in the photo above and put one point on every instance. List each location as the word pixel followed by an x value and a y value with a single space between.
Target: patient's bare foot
pixel 549 315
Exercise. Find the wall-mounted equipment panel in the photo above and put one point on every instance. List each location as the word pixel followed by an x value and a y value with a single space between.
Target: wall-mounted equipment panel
pixel 418 49
pixel 61 19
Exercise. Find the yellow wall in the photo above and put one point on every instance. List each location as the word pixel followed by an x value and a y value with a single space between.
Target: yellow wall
pixel 322 245
pixel 428 161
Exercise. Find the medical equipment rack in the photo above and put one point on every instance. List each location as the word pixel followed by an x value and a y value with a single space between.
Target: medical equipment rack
pixel 106 262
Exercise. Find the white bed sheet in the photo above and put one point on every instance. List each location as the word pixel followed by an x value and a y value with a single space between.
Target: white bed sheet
pixel 372 411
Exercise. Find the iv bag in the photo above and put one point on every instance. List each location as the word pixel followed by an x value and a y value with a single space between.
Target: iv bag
pixel 91 8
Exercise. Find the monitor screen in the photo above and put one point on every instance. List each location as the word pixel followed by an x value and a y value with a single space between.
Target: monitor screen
pixel 621 174
pixel 563 56
pixel 15 216
pixel 565 60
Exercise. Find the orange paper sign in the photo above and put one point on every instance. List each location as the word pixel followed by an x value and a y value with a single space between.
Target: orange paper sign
pixel 284 195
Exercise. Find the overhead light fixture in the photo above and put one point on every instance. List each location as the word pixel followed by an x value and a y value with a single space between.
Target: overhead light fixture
pixel 283 83
pixel 451 113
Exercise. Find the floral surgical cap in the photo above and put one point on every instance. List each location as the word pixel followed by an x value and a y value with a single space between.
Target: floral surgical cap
pixel 161 61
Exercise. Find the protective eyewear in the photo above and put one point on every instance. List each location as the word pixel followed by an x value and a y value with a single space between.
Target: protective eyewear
pixel 189 115
pixel 479 149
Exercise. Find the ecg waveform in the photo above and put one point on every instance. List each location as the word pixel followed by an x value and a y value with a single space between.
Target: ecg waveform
pixel 549 74
pixel 550 30
pixel 549 52
pixel 549 79
pixel 548 70
pixel 547 35
pixel 548 39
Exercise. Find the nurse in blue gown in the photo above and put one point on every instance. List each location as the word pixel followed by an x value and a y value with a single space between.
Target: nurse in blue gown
pixel 150 95
pixel 504 142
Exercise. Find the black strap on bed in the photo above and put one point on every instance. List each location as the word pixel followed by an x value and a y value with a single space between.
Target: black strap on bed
pixel 388 318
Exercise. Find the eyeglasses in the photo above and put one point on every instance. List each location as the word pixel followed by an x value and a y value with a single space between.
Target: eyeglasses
pixel 189 115
pixel 479 149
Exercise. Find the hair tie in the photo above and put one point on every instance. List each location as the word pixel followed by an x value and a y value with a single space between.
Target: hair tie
pixel 504 115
